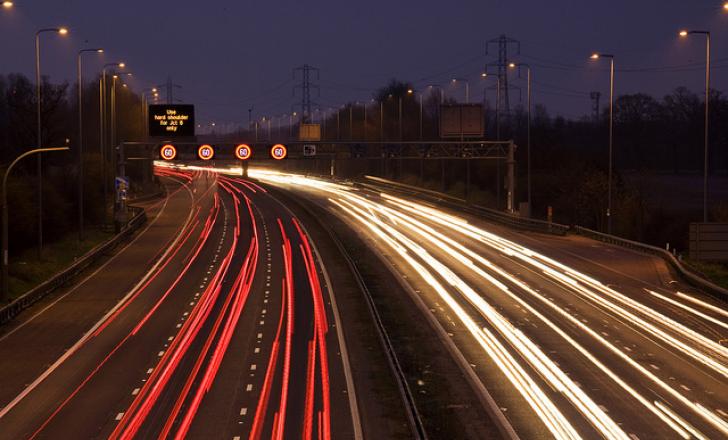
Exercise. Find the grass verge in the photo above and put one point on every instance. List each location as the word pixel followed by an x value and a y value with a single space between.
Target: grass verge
pixel 27 270
pixel 715 272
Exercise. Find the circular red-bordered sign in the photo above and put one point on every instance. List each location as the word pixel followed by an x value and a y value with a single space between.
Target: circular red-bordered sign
pixel 206 152
pixel 278 152
pixel 243 152
pixel 168 152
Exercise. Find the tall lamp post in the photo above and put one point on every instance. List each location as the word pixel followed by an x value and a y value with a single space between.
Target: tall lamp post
pixel 528 130
pixel 39 105
pixel 80 139
pixel 707 114
pixel 113 107
pixel 4 295
pixel 467 87
pixel 596 56
pixel 102 128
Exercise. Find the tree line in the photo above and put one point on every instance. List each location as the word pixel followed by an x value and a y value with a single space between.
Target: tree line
pixel 59 116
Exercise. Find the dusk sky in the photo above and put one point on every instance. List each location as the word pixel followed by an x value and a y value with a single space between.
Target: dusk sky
pixel 229 55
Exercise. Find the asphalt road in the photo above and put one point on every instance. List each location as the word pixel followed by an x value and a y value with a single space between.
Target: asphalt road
pixel 570 338
pixel 231 333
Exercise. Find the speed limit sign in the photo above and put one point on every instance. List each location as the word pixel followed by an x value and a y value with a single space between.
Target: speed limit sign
pixel 205 152
pixel 243 152
pixel 168 152
pixel 278 151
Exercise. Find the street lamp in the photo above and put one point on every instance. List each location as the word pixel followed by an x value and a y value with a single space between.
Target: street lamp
pixel 8 4
pixel 39 104
pixel 4 201
pixel 442 91
pixel 685 33
pixel 596 56
pixel 113 107
pixel 409 93
pixel 102 125
pixel 80 139
pixel 528 130
pixel 467 88
pixel 485 75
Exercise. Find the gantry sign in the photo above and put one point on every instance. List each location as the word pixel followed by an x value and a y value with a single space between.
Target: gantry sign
pixel 172 120
pixel 190 151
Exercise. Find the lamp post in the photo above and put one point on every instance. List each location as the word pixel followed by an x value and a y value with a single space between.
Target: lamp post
pixel 596 56
pixel 707 114
pixel 102 128
pixel 39 105
pixel 145 110
pixel 528 130
pixel 5 216
pixel 80 139
pixel 113 107
pixel 485 75
pixel 442 91
pixel 467 88
pixel 420 116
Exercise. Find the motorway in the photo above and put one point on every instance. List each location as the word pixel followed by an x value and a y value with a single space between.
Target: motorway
pixel 225 324
pixel 232 332
pixel 566 346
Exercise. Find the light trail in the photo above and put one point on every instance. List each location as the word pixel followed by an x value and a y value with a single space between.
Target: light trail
pixel 204 234
pixel 449 245
pixel 364 211
pixel 688 308
pixel 547 265
pixel 704 304
pixel 545 409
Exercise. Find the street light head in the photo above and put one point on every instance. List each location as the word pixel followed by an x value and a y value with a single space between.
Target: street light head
pixel 683 33
pixel 484 75
pixel 115 76
pixel 410 91
pixel 63 31
pixel 512 65
pixel 725 6
pixel 124 85
pixel 99 51
pixel 122 65
pixel 8 4
pixel 594 56
pixel 154 89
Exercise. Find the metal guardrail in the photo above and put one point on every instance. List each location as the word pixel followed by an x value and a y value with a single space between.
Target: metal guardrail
pixel 39 292
pixel 481 211
pixel 693 278
pixel 145 198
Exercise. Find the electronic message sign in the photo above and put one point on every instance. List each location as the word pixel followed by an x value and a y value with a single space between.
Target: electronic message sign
pixel 173 120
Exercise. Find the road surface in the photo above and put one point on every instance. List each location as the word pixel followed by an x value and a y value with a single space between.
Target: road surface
pixel 232 333
pixel 569 342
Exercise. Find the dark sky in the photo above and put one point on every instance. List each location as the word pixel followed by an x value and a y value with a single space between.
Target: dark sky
pixel 229 55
